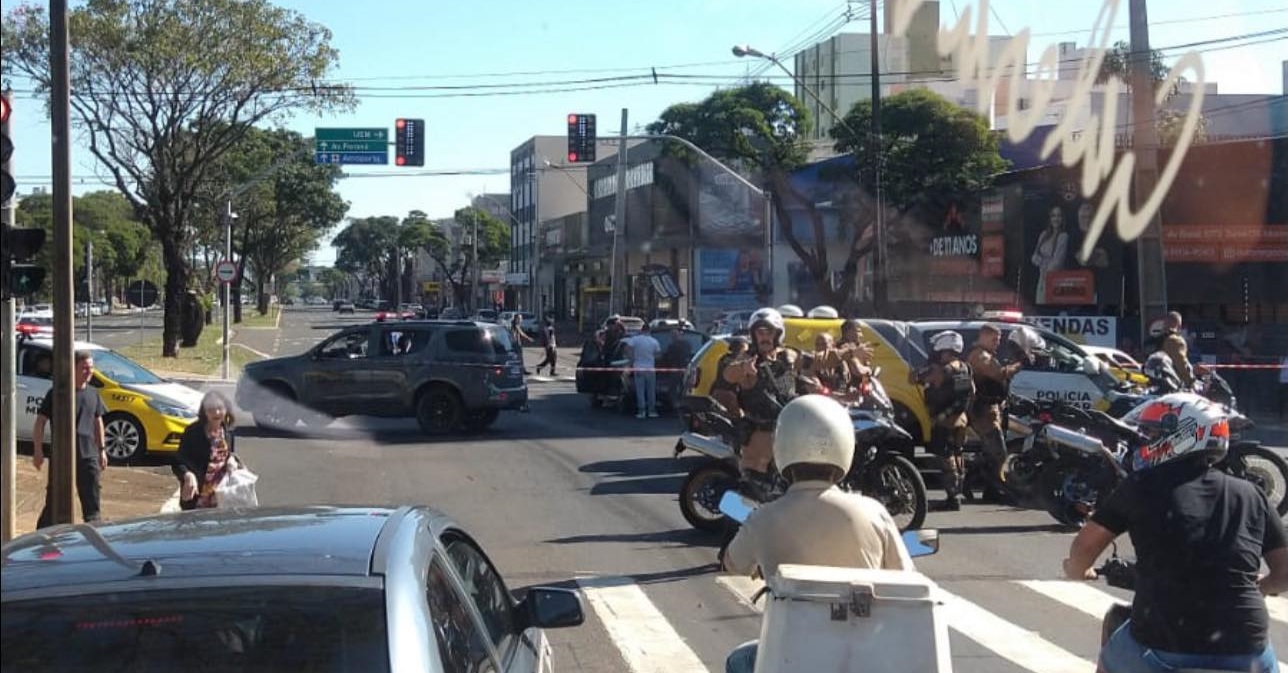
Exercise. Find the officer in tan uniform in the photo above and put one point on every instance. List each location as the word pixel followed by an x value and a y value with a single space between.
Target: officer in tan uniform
pixel 814 522
pixel 948 390
pixel 992 384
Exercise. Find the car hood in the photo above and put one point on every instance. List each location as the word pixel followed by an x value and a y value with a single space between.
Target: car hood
pixel 169 391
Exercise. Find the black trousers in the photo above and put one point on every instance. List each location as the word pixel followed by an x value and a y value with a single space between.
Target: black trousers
pixel 88 488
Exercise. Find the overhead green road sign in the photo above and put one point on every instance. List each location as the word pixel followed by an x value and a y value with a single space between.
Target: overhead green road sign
pixel 352 146
pixel 352 134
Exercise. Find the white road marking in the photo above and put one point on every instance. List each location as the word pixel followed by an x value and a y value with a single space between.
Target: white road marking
pixel 743 588
pixel 647 641
pixel 1278 608
pixel 262 354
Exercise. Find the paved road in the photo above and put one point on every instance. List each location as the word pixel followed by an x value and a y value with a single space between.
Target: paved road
pixel 121 328
pixel 567 495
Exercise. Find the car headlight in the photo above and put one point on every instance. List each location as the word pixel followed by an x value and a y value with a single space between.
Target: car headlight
pixel 167 408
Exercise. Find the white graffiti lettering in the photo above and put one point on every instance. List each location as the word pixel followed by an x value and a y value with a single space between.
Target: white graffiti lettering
pixel 1095 147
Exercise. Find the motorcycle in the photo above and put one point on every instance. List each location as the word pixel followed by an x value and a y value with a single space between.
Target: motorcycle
pixel 1246 459
pixel 881 469
pixel 1054 468
pixel 839 619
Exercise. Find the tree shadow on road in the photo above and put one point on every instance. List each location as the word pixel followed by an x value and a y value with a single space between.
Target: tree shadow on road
pixel 651 475
pixel 680 537
pixel 1005 529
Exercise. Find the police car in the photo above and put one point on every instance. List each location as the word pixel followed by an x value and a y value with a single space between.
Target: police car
pixel 145 413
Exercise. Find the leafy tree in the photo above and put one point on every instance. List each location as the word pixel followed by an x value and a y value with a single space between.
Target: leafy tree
pixel 458 264
pixel 287 205
pixel 366 246
pixel 933 152
pixel 163 88
pixel 1117 65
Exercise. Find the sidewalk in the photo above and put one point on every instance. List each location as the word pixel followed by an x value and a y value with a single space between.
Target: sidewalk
pixel 127 492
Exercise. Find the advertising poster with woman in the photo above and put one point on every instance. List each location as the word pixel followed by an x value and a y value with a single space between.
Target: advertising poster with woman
pixel 1057 219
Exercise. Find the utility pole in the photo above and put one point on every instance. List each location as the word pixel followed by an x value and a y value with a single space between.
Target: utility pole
pixel 474 286
pixel 62 463
pixel 616 302
pixel 89 290
pixel 226 288
pixel 1151 272
pixel 8 385
pixel 880 297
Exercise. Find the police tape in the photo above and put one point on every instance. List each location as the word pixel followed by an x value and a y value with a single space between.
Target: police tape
pixel 1234 366
pixel 632 369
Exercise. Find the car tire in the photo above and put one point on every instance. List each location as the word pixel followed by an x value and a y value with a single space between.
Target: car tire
pixel 124 438
pixel 478 421
pixel 439 410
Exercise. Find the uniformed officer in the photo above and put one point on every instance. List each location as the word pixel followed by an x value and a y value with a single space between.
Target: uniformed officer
pixel 949 387
pixel 992 385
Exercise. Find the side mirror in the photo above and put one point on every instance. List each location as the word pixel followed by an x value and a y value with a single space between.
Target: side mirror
pixel 551 608
pixel 736 506
pixel 921 542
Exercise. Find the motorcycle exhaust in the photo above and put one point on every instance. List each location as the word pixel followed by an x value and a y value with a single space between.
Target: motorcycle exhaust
pixel 707 446
pixel 1076 441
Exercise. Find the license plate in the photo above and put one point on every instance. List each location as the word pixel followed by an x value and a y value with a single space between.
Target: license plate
pixel 516 370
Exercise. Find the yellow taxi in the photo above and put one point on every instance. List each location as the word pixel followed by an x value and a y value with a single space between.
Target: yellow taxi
pixel 893 350
pixel 145 413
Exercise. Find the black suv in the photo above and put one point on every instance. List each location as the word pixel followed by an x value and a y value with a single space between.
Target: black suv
pixel 449 375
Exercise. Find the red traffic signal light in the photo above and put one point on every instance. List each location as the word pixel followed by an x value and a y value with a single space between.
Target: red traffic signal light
pixel 581 138
pixel 409 142
pixel 4 109
pixel 572 157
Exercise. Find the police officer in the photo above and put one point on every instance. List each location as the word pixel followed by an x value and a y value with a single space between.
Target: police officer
pixel 949 386
pixel 814 522
pixel 856 352
pixel 992 385
pixel 766 381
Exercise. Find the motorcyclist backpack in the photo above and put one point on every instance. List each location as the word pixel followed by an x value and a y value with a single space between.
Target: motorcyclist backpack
pixel 956 393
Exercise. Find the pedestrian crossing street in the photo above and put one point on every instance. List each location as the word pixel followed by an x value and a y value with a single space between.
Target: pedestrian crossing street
pixel 1063 637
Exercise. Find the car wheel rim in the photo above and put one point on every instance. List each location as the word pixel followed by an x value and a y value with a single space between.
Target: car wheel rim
pixel 440 412
pixel 122 439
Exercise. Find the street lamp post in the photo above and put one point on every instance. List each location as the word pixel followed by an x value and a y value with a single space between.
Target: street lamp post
pixel 879 292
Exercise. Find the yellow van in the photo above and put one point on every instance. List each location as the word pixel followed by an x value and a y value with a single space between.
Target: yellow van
pixel 892 352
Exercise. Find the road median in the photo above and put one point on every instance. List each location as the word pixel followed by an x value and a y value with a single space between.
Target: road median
pixel 201 362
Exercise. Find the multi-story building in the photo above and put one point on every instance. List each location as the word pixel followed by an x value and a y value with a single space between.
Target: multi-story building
pixel 543 186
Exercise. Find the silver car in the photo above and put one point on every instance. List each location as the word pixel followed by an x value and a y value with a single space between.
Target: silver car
pixel 271 589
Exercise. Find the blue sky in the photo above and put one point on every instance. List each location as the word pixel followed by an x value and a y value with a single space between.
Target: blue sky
pixel 409 43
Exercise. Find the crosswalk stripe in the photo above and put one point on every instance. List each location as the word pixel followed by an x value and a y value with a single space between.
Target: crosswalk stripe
pixel 1077 595
pixel 1018 645
pixel 1278 608
pixel 642 634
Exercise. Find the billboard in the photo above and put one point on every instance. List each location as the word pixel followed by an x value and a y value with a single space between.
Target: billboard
pixel 1056 220
pixel 730 279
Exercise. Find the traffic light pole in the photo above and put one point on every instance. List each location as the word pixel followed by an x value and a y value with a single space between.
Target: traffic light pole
pixel 62 463
pixel 8 391
pixel 617 304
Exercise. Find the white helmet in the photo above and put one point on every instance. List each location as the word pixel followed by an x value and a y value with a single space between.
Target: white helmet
pixel 791 310
pixel 770 317
pixel 947 341
pixel 1179 425
pixel 814 429
pixel 1028 340
pixel 824 312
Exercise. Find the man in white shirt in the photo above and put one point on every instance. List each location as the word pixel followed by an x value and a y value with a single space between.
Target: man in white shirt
pixel 642 349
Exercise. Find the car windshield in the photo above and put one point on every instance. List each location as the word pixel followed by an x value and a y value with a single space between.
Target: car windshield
pixel 121 369
pixel 289 628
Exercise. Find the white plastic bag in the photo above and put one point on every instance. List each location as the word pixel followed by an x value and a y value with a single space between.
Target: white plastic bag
pixel 237 487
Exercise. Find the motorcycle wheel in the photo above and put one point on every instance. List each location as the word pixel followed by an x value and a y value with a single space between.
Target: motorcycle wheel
pixel 709 482
pixel 896 483
pixel 1269 471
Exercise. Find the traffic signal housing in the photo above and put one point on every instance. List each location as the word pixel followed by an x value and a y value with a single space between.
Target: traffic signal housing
pixel 409 142
pixel 20 276
pixel 7 183
pixel 581 138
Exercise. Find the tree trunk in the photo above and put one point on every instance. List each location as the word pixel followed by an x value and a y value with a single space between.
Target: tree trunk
pixel 236 300
pixel 176 285
pixel 261 298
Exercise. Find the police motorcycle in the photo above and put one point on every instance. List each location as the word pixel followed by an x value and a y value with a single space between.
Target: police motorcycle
pixel 1056 466
pixel 820 618
pixel 880 470
pixel 1247 458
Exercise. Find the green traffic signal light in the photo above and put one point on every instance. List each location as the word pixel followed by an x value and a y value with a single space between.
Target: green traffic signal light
pixel 20 278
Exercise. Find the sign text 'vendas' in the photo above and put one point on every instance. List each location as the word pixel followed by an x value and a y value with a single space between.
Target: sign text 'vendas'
pixel 1094 149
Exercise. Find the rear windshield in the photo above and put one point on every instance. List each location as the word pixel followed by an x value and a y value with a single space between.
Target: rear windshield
pixel 295 628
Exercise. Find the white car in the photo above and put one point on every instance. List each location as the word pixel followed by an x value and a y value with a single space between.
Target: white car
pixel 1114 357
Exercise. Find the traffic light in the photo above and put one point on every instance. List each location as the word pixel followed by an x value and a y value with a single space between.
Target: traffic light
pixel 409 142
pixel 7 184
pixel 581 138
pixel 20 277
